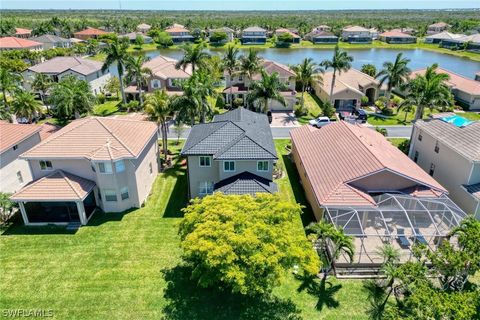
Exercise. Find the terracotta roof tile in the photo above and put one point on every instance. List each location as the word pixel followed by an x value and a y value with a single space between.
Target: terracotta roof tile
pixel 91 31
pixel 62 64
pixel 164 68
pixel 11 134
pixel 396 34
pixel 22 31
pixel 456 81
pixel 17 43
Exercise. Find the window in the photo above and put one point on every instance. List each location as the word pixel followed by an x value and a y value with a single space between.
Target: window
pixel 105 167
pixel 205 188
pixel 415 157
pixel 45 165
pixel 420 137
pixel 205 161
pixel 437 147
pixel 155 83
pixel 19 177
pixel 229 166
pixel 262 166
pixel 432 169
pixel 124 193
pixel 15 147
pixel 119 166
pixel 150 167
pixel 110 195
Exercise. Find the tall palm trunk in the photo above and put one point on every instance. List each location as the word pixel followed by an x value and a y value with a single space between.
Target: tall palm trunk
pixel 419 112
pixel 333 85
pixel 303 95
pixel 140 98
pixel 13 118
pixel 231 90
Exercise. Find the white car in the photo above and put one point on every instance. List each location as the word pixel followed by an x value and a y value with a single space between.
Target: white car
pixel 319 122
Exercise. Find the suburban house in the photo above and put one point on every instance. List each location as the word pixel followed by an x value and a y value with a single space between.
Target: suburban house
pixel 89 33
pixel 143 27
pixel 448 148
pixel 233 154
pixel 59 67
pixel 52 41
pixel 254 35
pixel 22 33
pixel 179 33
pixel 349 89
pixel 409 31
pixel 437 28
pixel 356 34
pixel 132 37
pixel 92 162
pixel 374 33
pixel 296 37
pixel 471 42
pixel 393 36
pixel 13 43
pixel 321 37
pixel 230 33
pixel 322 27
pixel 442 36
pixel 236 86
pixel 465 91
pixel 356 179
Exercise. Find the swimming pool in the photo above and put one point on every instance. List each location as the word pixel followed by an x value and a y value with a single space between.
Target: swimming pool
pixel 457 121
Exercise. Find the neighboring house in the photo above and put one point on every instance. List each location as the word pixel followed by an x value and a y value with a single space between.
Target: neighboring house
pixel 89 33
pixel 448 147
pixel 179 33
pixel 132 37
pixel 442 36
pixel 396 37
pixel 349 89
pixel 409 31
pixel 374 33
pixel 144 28
pixel 296 37
pixel 471 42
pixel 321 37
pixel 356 34
pixel 52 41
pixel 59 67
pixel 356 179
pixel 239 83
pixel 322 27
pixel 233 154
pixel 230 33
pixel 254 35
pixel 22 33
pixel 12 43
pixel 91 162
pixel 437 28
pixel 465 91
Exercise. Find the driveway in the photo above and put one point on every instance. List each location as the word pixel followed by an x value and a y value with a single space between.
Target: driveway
pixel 283 119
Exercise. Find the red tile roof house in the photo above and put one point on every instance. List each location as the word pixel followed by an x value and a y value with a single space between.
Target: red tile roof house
pixel 393 36
pixel 90 163
pixel 296 37
pixel 23 33
pixel 89 33
pixel 356 179
pixel 179 33
pixel 12 43
pixel 437 28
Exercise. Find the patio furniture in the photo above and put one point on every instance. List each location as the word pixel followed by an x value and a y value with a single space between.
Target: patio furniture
pixel 419 237
pixel 402 238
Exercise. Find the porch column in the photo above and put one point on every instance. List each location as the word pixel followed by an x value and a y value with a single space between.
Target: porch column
pixel 81 212
pixel 24 213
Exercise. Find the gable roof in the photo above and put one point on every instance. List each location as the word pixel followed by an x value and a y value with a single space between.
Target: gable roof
pixel 17 43
pixel 318 33
pixel 396 34
pixel 355 29
pixel 164 68
pixel 456 81
pixel 439 25
pixel 49 38
pixel 352 80
pixel 22 31
pixel 237 134
pixel 62 64
pixel 176 28
pixel 254 29
pixel 340 153
pixel 90 32
pixel 445 35
pixel 96 138
pixel 12 134
pixel 245 183
pixel 284 30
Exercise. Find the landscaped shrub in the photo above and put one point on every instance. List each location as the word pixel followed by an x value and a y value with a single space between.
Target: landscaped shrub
pixel 328 110
pixel 237 102
pixel 101 98
pixel 364 100
pixel 299 111
pixel 388 111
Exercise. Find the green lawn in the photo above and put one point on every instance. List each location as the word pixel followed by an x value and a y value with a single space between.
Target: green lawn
pixel 127 266
pixel 313 105
pixel 397 118
pixel 470 115
pixel 108 108
pixel 397 141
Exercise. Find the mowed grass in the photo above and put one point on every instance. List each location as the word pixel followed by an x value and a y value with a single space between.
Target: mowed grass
pixel 398 118
pixel 128 266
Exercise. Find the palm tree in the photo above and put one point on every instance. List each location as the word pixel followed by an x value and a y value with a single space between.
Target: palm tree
pixel 9 82
pixel 159 109
pixel 117 53
pixel 268 88
pixel 369 69
pixel 407 106
pixel 394 74
pixel 24 105
pixel 341 62
pixel 249 66
pixel 41 83
pixel 71 96
pixel 194 55
pixel 307 72
pixel 230 64
pixel 138 73
pixel 330 243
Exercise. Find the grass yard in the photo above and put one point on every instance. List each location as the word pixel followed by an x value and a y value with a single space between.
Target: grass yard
pixel 397 118
pixel 127 266
pixel 474 116
pixel 108 108
pixel 313 105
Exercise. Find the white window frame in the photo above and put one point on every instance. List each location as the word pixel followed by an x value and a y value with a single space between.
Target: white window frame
pixel 112 193
pixel 106 165
pixel 154 81
pixel 206 187
pixel 229 169
pixel 124 190
pixel 119 166
pixel 263 161
pixel 45 167
pixel 205 157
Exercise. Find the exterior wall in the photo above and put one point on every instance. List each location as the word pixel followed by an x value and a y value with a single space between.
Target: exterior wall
pixel 326 40
pixel 472 101
pixel 79 167
pixel 167 84
pixel 398 40
pixel 10 165
pixel 344 95
pixel 143 178
pixel 242 166
pixel 383 181
pixel 197 174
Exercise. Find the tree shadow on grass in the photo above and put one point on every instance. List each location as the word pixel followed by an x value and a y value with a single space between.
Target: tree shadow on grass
pixel 15 226
pixel 185 300
pixel 178 198
pixel 323 289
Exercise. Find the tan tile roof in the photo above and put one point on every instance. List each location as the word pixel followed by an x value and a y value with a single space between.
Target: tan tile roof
pixel 396 34
pixel 91 32
pixel 11 134
pixel 164 68
pixel 340 153
pixel 355 29
pixel 22 31
pixel 59 185
pixel 144 26
pixel 445 35
pixel 47 129
pixel 176 29
pixel 17 43
pixel 62 64
pixel 456 81
pixel 96 138
pixel 283 30
pixel 439 25
pixel 271 67
pixel 351 80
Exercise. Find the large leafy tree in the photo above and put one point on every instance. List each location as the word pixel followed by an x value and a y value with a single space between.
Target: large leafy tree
pixel 268 88
pixel 194 55
pixel 231 63
pixel 306 73
pixel 341 62
pixel 9 83
pixel 24 105
pixel 138 73
pixel 394 74
pixel 243 243
pixel 250 64
pixel 369 69
pixel 116 52
pixel 71 97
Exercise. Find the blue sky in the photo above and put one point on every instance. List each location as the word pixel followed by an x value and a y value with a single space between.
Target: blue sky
pixel 238 5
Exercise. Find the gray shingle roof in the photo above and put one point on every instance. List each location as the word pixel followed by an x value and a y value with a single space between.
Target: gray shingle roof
pixel 237 134
pixel 245 183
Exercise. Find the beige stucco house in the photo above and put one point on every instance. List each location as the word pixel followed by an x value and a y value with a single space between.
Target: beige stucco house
pixel 358 34
pixel 451 154
pixel 92 162
pixel 437 28
pixel 179 33
pixel 233 154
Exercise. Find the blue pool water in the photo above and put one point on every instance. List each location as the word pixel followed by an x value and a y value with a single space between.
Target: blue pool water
pixel 457 121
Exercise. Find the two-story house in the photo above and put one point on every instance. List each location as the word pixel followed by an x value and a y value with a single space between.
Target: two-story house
pixel 237 85
pixel 233 154
pixel 357 34
pixel 228 31
pixel 52 41
pixel 254 35
pixel 179 33
pixel 60 67
pixel 448 148
pixel 92 162
pixel 437 28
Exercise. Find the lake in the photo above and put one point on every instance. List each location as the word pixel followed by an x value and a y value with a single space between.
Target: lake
pixel 418 58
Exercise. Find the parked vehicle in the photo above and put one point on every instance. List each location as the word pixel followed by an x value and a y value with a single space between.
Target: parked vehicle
pixel 357 114
pixel 319 122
